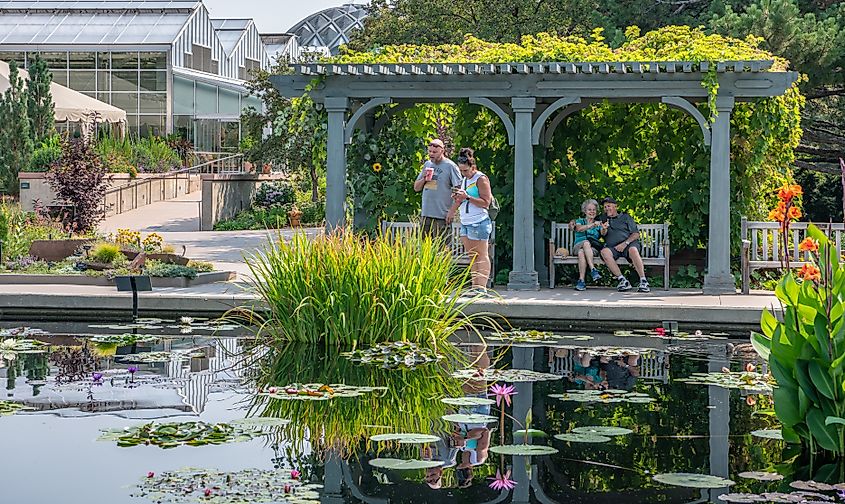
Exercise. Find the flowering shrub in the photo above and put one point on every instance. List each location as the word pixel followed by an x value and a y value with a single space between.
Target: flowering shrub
pixel 128 237
pixel 272 194
pixel 153 243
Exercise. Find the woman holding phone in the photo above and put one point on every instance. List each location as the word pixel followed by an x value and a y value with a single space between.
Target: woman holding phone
pixel 471 200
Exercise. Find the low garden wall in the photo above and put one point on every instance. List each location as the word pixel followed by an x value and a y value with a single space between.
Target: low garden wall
pixel 34 187
pixel 225 195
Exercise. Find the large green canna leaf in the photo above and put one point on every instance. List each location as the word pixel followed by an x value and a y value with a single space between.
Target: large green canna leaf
pixel 786 405
pixel 782 373
pixel 822 379
pixel 817 234
pixel 762 345
pixel 822 335
pixel 768 323
pixel 790 436
pixel 802 373
pixel 825 435
pixel 787 290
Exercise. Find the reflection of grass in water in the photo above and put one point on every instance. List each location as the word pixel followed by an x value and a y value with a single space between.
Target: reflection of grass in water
pixel 410 404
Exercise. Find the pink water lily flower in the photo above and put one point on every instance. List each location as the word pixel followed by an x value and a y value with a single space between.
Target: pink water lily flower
pixel 502 481
pixel 294 474
pixel 502 392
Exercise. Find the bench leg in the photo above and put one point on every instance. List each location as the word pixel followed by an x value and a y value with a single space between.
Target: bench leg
pixel 746 267
pixel 551 265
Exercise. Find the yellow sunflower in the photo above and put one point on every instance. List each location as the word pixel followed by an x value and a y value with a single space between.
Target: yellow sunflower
pixel 377 167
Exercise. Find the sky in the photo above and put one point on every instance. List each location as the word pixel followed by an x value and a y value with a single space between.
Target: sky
pixel 271 16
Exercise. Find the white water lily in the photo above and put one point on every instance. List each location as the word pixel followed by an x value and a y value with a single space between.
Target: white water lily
pixel 186 320
pixel 186 330
pixel 8 349
pixel 409 359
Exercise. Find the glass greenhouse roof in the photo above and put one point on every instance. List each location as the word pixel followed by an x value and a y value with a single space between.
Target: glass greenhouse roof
pixel 82 5
pixel 90 29
pixel 331 27
pixel 230 31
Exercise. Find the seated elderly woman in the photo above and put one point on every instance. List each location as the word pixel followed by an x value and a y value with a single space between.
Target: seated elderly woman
pixel 587 244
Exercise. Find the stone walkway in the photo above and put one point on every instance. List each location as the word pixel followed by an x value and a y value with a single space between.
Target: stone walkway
pixel 558 308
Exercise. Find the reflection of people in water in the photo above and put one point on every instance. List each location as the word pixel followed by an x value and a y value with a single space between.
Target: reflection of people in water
pixel 439 451
pixel 622 372
pixel 472 450
pixel 586 370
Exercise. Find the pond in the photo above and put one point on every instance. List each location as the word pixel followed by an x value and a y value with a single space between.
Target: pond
pixel 154 412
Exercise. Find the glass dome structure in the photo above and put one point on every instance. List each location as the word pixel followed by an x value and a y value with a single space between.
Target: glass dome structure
pixel 331 27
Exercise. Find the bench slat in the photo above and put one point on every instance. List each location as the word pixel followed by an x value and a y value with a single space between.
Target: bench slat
pixel 765 244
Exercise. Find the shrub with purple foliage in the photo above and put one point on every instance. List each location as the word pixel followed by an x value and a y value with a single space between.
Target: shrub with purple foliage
pixel 79 179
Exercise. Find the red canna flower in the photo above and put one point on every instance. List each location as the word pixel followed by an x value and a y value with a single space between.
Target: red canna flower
pixel 794 213
pixel 810 272
pixel 809 245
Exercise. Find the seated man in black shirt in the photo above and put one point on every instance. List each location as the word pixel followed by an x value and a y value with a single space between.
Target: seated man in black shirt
pixel 621 237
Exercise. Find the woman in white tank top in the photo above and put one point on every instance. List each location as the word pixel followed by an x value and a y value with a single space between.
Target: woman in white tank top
pixel 471 200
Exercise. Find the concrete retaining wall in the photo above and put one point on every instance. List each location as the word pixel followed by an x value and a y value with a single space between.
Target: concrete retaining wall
pixel 34 187
pixel 224 196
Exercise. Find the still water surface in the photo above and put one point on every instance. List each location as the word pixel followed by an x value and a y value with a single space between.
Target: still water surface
pixel 53 452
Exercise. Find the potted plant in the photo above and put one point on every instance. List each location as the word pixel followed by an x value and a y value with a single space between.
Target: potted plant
pixel 266 169
pixel 295 216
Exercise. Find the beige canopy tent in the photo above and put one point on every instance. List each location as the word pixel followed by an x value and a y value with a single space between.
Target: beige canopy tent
pixel 72 105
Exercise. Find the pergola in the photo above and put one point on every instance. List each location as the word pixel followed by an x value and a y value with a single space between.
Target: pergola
pixel 532 99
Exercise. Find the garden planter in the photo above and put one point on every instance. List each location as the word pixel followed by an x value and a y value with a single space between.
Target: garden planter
pixel 169 258
pixel 56 250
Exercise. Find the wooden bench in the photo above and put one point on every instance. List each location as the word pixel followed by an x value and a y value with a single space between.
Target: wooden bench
pixel 654 239
pixel 654 365
pixel 762 246
pixel 394 228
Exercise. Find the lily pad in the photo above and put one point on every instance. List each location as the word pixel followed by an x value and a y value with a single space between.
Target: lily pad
pixel 576 437
pixel 534 336
pixel 768 434
pixel 400 465
pixel 745 380
pixel 532 433
pixel 260 422
pixel 761 476
pixel 124 339
pixel 602 430
pixel 468 401
pixel 406 438
pixel 812 486
pixel 741 498
pixel 394 355
pixel 473 418
pixel 8 408
pixel 526 450
pixel 604 396
pixel 314 391
pixel 189 485
pixel 692 480
pixel 505 375
pixel 171 435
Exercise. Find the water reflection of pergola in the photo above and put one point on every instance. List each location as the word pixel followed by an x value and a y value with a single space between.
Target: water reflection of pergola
pixel 532 99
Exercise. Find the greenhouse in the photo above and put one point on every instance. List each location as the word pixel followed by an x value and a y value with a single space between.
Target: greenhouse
pixel 166 63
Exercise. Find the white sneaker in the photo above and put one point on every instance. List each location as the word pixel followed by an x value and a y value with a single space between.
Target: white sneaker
pixel 643 286
pixel 624 285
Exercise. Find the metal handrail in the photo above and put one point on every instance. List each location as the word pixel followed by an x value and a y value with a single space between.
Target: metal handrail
pixel 233 159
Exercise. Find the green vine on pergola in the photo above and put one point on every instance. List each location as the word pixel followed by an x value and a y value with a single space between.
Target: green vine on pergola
pixel 641 152
pixel 672 43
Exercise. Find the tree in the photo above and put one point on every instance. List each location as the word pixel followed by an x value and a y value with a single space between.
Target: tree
pixel 40 106
pixel 298 137
pixel 15 140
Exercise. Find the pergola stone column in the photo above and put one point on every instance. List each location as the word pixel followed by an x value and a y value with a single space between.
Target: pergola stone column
pixel 523 276
pixel 536 91
pixel 719 278
pixel 336 163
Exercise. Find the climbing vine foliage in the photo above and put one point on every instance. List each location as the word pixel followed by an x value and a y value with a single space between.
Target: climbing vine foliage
pixel 650 157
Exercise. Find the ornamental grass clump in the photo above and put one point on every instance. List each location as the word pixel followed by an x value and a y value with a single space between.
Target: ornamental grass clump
pixel 806 348
pixel 353 290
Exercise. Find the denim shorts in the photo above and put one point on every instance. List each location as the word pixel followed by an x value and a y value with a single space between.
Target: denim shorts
pixel 479 231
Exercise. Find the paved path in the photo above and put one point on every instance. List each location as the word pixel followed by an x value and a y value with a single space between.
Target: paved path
pixel 559 308
pixel 176 215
